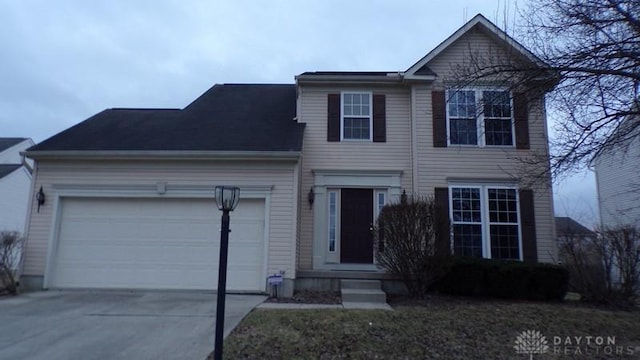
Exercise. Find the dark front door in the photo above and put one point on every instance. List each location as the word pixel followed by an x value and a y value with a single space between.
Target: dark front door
pixel 356 217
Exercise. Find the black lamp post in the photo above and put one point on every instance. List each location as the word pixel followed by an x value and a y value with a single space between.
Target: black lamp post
pixel 227 198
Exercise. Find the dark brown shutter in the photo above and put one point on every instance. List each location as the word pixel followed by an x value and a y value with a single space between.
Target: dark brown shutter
pixel 333 119
pixel 521 120
pixel 438 104
pixel 528 223
pixel 379 118
pixel 443 238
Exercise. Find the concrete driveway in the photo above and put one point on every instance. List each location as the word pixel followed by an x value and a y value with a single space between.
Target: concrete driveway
pixel 114 325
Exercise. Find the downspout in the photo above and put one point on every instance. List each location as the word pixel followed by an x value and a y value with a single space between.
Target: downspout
pixel 414 142
pixel 27 224
pixel 23 160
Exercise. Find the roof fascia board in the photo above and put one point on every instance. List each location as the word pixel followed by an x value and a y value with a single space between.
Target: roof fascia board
pixel 420 77
pixel 493 29
pixel 164 155
pixel 322 79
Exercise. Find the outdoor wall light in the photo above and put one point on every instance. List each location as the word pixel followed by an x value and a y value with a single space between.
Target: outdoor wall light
pixel 403 197
pixel 227 198
pixel 311 196
pixel 40 198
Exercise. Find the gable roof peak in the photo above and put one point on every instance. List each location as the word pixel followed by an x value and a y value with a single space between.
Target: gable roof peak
pixel 492 29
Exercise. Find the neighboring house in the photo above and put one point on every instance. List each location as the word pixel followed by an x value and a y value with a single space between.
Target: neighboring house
pixel 567 227
pixel 130 191
pixel 618 182
pixel 578 252
pixel 571 235
pixel 15 182
pixel 574 239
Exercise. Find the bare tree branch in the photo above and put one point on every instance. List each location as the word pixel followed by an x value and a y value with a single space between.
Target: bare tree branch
pixel 589 69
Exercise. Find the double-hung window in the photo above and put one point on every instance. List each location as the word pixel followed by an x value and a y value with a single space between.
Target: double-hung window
pixel 485 221
pixel 463 125
pixel 503 223
pixel 498 127
pixel 480 117
pixel 357 120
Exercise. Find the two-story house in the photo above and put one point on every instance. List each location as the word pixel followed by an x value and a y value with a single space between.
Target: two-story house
pixel 130 191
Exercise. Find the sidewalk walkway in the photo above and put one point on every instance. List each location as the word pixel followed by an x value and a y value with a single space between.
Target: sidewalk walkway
pixel 347 305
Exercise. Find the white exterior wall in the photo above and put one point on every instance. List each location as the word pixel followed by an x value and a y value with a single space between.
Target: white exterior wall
pixel 14 200
pixel 12 154
pixel 319 154
pixel 618 181
pixel 142 177
pixel 14 189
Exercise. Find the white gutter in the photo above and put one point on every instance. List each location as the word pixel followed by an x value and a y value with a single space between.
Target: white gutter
pixel 310 79
pixel 163 155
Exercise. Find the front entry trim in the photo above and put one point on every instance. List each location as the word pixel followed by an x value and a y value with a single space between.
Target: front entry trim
pixel 386 187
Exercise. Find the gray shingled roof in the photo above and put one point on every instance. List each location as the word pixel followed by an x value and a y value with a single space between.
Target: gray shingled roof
pixel 424 70
pixel 6 169
pixel 7 142
pixel 229 117
pixel 566 226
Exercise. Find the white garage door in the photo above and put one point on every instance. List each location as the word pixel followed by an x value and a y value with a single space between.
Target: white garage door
pixel 156 244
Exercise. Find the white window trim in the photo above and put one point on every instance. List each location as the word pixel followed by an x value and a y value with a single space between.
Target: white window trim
pixel 376 209
pixel 484 214
pixel 376 213
pixel 337 224
pixel 370 116
pixel 480 119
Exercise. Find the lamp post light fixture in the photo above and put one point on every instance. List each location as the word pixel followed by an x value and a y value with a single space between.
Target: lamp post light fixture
pixel 403 197
pixel 227 198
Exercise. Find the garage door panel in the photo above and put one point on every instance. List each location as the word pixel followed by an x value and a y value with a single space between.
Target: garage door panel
pixel 156 243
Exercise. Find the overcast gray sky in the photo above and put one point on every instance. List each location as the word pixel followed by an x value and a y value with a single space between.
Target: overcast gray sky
pixel 63 61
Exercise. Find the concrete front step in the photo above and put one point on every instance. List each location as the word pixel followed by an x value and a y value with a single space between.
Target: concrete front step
pixel 362 291
pixel 361 284
pixel 366 306
pixel 364 295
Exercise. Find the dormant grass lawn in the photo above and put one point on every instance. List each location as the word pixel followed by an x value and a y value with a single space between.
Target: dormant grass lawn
pixel 438 328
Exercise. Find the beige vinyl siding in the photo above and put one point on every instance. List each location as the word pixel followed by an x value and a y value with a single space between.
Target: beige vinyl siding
pixel 436 166
pixel 278 175
pixel 319 154
pixel 474 46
